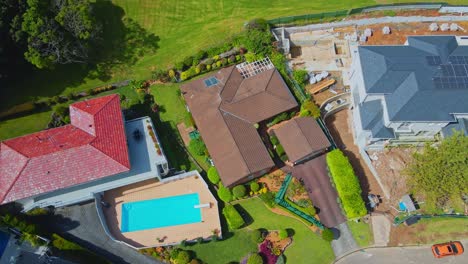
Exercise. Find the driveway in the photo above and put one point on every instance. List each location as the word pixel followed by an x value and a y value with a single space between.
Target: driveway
pixel 317 182
pixel 80 223
pixel 407 255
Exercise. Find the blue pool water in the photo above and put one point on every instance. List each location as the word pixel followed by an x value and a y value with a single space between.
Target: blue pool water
pixel 162 212
pixel 3 242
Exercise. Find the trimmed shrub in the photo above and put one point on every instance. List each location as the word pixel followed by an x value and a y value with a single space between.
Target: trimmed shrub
pixel 197 146
pixel 309 108
pixel 256 236
pixel 327 235
pixel 188 61
pixel 219 63
pixel 224 194
pixel 280 150
pixel 274 140
pixel 239 191
pixel 183 257
pixel 283 233
pixel 208 67
pixel 63 244
pixel 233 218
pixel 188 120
pixel 254 186
pixel 278 118
pixel 255 258
pixel 175 253
pixel 213 175
pixel 238 57
pixel 347 184
pixel 301 76
pixel 268 198
pixel 179 66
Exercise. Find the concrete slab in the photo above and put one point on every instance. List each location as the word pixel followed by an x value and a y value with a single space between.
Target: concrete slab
pixel 381 228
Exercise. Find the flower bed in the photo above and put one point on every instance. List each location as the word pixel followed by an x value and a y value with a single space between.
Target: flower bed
pixel 155 140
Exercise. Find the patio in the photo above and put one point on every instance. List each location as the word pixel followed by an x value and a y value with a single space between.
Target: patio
pixel 190 182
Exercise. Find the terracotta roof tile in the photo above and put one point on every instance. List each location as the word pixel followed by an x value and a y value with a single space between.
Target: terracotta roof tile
pixel 301 137
pixel 225 115
pixel 91 147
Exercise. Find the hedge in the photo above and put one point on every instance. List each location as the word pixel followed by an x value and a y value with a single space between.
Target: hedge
pixel 224 194
pixel 254 186
pixel 346 183
pixel 239 191
pixel 256 236
pixel 233 218
pixel 309 108
pixel 213 175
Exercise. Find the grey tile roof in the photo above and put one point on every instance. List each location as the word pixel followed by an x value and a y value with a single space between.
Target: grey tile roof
pixel 371 113
pixel 461 125
pixel 405 77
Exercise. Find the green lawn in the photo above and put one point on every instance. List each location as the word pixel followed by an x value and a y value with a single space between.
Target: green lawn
pixel 362 233
pixel 306 248
pixel 182 26
pixel 438 230
pixel 24 125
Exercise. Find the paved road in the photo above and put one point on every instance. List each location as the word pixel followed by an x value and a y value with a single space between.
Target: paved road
pixel 321 192
pixel 81 224
pixel 407 255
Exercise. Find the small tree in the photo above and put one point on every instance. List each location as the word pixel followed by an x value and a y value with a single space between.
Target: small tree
pixel 255 258
pixel 283 233
pixel 197 146
pixel 224 194
pixel 213 175
pixel 327 235
pixel 239 191
pixel 254 186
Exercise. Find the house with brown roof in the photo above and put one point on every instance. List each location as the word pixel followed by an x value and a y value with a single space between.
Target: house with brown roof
pixel 226 107
pixel 302 139
pixel 98 151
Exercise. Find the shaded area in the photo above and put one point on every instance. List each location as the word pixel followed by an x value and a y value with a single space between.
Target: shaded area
pixel 121 43
pixel 314 175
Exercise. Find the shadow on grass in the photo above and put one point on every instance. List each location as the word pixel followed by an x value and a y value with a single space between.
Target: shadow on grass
pixel 119 45
pixel 248 219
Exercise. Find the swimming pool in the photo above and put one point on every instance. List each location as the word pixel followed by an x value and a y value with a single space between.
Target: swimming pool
pixel 162 212
pixel 4 237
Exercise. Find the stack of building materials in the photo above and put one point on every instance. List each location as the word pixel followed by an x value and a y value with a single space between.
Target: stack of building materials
pixel 453 27
pixel 433 27
pixel 368 32
pixel 386 30
pixel 444 27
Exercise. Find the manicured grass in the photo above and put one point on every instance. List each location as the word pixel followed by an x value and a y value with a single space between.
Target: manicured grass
pixel 24 125
pixel 307 247
pixel 182 26
pixel 436 230
pixel 362 233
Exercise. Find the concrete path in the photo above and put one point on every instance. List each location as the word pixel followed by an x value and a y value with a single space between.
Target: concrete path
pixel 345 242
pixel 398 255
pixel 381 228
pixel 80 223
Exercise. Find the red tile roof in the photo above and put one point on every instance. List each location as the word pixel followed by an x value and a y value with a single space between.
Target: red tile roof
pixel 93 146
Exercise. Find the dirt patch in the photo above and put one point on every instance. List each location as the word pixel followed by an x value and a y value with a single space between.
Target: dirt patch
pixel 277 242
pixel 338 87
pixel 389 165
pixel 273 180
pixel 184 132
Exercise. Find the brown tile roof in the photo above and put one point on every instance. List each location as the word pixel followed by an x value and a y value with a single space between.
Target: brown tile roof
pixel 301 137
pixel 225 115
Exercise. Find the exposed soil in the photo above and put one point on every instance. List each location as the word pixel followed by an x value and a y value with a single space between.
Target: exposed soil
pixel 184 133
pixel 273 180
pixel 339 126
pixel 277 242
pixel 321 97
pixel 389 165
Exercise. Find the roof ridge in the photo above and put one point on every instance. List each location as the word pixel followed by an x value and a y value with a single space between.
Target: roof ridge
pixel 225 82
pixel 302 132
pixel 234 138
pixel 14 181
pixel 96 148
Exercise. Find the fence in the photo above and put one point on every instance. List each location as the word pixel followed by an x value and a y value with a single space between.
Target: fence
pixel 327 16
pixel 397 221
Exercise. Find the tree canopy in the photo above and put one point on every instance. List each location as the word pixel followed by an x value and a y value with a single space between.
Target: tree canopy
pixel 441 172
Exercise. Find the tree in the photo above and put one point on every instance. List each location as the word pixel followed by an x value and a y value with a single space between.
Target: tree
pixel 197 146
pixel 441 172
pixel 327 235
pixel 213 175
pixel 239 191
pixel 57 32
pixel 309 108
pixel 255 258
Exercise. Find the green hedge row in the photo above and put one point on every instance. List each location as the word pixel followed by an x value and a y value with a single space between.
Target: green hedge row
pixel 233 218
pixel 347 184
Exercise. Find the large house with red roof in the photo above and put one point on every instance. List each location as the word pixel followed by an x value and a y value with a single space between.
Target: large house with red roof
pixel 98 151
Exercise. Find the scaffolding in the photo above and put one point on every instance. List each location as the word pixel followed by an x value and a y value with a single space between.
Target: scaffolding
pixel 248 70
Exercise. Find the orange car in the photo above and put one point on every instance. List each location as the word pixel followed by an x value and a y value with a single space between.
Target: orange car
pixel 451 248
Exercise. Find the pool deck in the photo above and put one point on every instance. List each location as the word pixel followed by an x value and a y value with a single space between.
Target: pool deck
pixel 152 189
